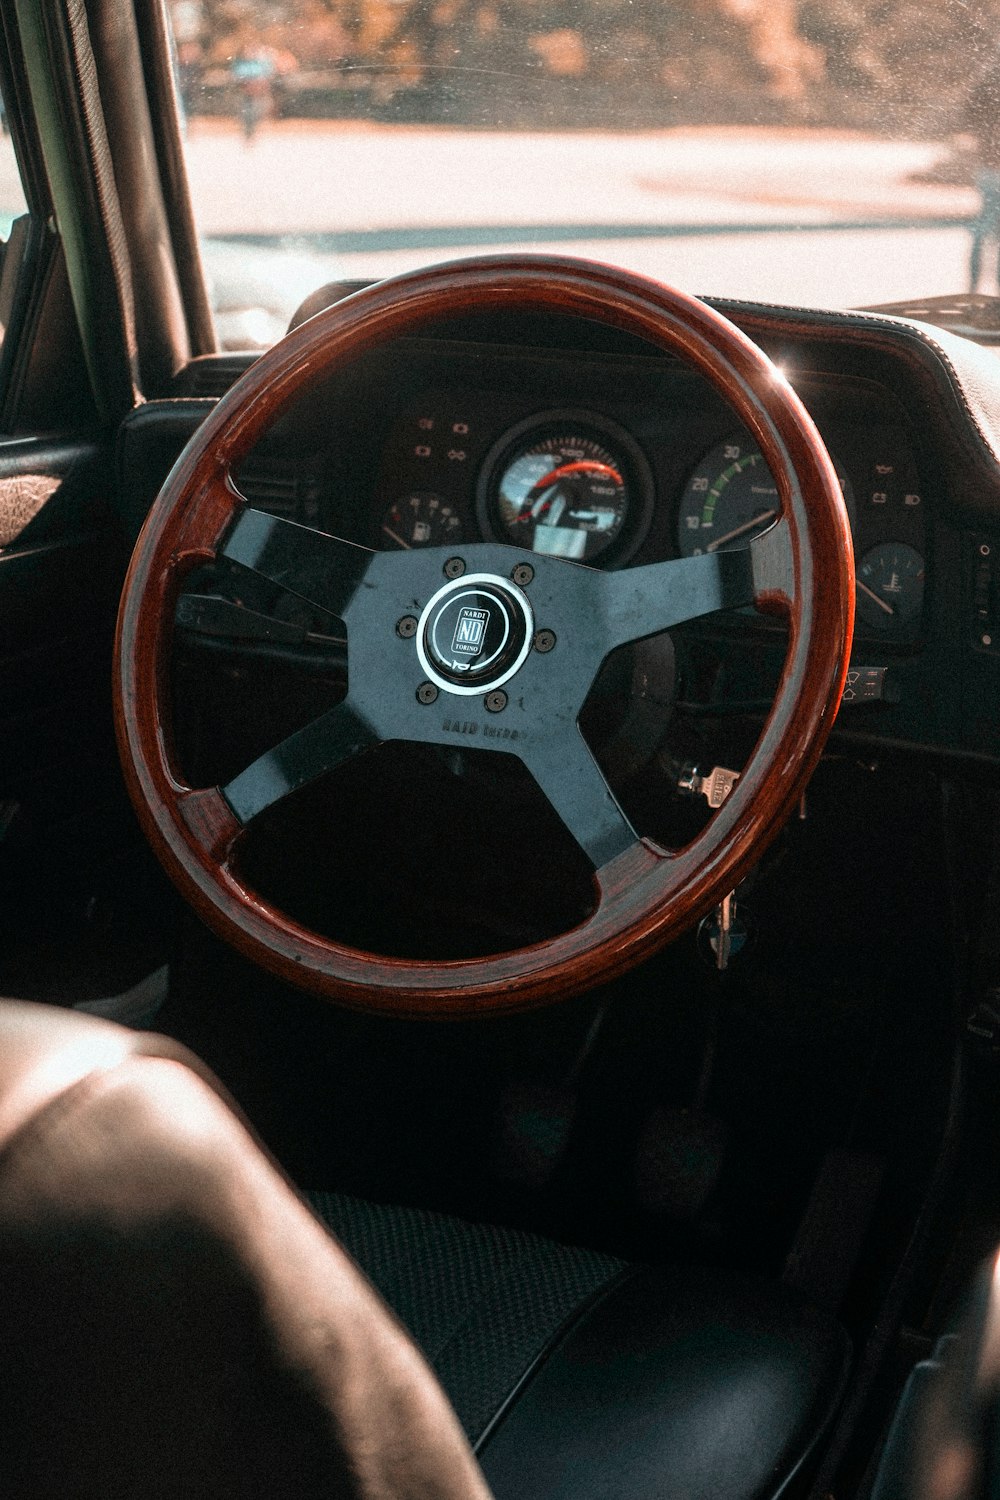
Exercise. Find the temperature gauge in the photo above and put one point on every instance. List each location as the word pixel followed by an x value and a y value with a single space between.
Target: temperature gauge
pixel 890 588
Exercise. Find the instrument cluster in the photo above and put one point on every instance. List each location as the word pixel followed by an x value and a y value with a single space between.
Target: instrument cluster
pixel 606 490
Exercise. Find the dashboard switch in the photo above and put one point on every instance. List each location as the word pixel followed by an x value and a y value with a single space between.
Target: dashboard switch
pixel 984 616
pixel 869 685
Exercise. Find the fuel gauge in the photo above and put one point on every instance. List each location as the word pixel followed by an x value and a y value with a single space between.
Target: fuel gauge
pixel 420 519
pixel 890 592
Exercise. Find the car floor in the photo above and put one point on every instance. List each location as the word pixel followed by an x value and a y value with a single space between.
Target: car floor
pixel 671 1114
pixel 793 1118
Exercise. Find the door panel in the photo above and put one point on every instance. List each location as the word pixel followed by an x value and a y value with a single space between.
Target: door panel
pixel 62 558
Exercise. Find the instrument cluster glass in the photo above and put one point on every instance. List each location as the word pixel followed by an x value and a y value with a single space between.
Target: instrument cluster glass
pixel 567 485
pixel 730 499
pixel 420 519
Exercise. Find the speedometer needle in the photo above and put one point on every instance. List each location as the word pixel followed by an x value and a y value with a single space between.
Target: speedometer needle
pixel 395 537
pixel 730 536
pixel 875 597
pixel 582 466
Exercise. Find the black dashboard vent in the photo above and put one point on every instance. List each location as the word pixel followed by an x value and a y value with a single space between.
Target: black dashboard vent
pixel 280 494
pixel 213 374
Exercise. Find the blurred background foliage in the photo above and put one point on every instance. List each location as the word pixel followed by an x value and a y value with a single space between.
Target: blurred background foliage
pixel 892 66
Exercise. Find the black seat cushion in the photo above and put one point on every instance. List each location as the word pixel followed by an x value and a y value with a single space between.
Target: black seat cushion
pixel 576 1375
pixel 681 1383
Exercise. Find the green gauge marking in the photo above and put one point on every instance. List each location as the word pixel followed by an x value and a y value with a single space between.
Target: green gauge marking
pixel 750 461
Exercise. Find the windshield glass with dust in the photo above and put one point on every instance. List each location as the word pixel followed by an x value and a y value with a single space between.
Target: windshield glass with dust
pixel 821 152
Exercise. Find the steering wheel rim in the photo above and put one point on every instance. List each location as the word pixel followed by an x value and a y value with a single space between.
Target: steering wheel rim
pixel 802 568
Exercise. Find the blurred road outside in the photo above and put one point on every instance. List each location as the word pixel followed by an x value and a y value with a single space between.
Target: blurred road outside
pixel 727 211
pixel 346 200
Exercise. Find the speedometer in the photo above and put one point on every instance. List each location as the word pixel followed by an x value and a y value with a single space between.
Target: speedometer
pixel 569 485
pixel 731 498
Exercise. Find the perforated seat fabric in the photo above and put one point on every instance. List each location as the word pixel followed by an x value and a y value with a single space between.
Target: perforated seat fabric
pixel 576 1375
pixel 481 1301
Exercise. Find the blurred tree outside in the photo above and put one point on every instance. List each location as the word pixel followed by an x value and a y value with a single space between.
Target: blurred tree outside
pixel 893 66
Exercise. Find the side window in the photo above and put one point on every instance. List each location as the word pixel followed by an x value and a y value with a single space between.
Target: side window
pixel 12 201
pixel 13 208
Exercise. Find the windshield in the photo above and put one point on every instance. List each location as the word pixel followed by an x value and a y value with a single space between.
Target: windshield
pixel 820 152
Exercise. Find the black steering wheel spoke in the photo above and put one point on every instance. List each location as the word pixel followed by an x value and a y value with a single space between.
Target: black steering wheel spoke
pixel 566 771
pixel 324 570
pixel 774 568
pixel 640 602
pixel 303 757
pixel 645 601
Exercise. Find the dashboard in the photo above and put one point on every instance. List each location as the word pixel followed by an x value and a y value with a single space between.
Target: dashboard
pixel 573 440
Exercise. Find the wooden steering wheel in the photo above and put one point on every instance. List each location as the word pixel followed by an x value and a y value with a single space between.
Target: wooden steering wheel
pixel 435 632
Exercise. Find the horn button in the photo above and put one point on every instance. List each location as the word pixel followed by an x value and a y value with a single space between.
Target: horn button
pixel 475 633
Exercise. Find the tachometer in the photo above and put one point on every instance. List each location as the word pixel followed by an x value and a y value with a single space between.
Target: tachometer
pixel 570 485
